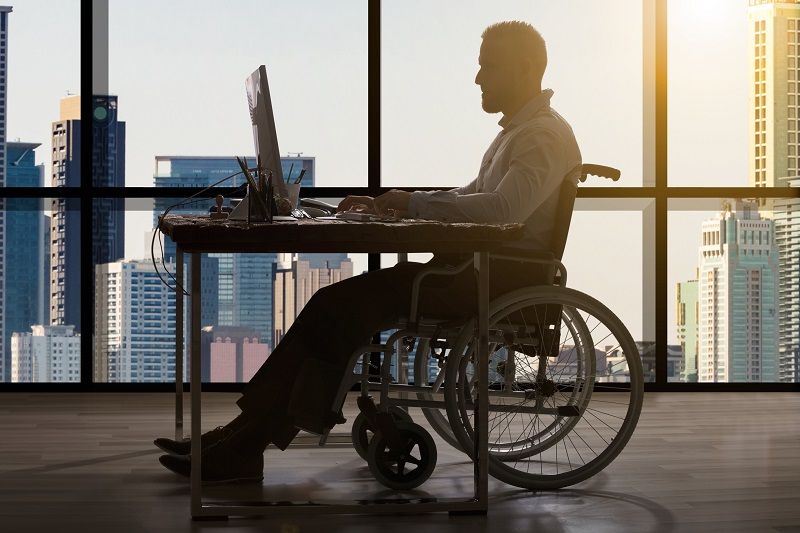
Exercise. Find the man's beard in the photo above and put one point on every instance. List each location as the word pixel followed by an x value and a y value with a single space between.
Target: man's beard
pixel 489 104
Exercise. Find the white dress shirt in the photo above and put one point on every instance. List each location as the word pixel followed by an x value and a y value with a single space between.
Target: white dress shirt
pixel 519 179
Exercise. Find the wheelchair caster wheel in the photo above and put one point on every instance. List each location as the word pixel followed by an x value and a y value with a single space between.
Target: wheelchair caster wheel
pixel 404 462
pixel 362 430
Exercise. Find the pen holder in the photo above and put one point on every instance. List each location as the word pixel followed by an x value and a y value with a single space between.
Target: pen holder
pixel 293 194
pixel 255 211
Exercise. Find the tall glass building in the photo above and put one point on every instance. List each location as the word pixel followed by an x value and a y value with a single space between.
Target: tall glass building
pixel 4 11
pixel 688 309
pixel 5 368
pixel 244 294
pixel 107 170
pixel 738 297
pixel 786 213
pixel 24 246
pixel 134 338
pixel 774 158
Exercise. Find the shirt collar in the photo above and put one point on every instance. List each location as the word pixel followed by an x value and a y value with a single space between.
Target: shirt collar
pixel 528 110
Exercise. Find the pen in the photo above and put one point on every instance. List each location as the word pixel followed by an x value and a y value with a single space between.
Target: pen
pixel 300 177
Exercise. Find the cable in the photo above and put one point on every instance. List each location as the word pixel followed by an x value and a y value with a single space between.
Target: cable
pixel 157 232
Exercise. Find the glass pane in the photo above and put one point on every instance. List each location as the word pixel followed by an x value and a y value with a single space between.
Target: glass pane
pixel 734 124
pixel 733 270
pixel 434 132
pixel 604 259
pixel 40 304
pixel 248 302
pixel 259 297
pixel 182 93
pixel 36 84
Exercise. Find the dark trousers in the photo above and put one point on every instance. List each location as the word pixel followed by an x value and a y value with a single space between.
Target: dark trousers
pixel 340 318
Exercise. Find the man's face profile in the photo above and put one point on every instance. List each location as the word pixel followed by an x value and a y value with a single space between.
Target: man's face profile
pixel 495 75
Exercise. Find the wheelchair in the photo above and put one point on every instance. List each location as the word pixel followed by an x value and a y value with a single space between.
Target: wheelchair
pixel 565 382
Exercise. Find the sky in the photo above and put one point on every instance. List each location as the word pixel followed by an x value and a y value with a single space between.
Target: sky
pixel 178 68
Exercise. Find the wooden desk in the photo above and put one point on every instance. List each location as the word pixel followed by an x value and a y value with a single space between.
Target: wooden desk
pixel 197 234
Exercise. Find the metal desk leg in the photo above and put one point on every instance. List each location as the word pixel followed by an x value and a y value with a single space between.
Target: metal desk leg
pixel 179 299
pixel 477 505
pixel 195 382
pixel 482 405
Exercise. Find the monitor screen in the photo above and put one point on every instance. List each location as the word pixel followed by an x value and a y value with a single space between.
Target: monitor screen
pixel 266 140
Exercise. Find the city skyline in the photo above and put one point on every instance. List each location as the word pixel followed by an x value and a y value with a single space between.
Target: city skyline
pixel 714 29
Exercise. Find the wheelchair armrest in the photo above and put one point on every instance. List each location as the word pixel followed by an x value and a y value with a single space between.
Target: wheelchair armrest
pixel 444 271
pixel 543 258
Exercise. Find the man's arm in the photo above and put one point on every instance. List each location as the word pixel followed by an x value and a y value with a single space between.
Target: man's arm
pixel 394 201
pixel 536 166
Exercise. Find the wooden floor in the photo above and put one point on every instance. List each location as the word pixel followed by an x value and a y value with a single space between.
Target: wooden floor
pixel 698 462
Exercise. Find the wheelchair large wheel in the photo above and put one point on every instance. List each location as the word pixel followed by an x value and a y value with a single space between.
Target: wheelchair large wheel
pixel 565 387
pixel 437 418
pixel 404 460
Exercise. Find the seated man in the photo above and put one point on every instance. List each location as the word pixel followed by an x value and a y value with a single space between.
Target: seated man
pixel 519 181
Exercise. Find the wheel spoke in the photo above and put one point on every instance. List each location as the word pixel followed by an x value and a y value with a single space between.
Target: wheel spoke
pixel 553 419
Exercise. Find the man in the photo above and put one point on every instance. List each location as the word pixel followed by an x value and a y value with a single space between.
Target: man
pixel 519 181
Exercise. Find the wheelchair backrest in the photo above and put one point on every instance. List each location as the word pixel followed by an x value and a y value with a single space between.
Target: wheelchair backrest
pixel 566 203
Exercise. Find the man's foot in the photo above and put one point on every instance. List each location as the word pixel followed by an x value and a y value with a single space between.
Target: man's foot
pixel 318 425
pixel 221 463
pixel 184 447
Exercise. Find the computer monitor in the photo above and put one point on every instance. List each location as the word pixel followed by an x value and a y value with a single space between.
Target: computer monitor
pixel 266 140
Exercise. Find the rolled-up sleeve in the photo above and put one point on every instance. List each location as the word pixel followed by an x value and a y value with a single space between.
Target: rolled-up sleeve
pixel 440 205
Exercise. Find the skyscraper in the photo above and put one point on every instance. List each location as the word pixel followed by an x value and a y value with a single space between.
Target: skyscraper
pixel 774 27
pixel 108 170
pixel 295 281
pixel 46 354
pixel 738 297
pixel 786 212
pixel 24 261
pixel 134 338
pixel 4 11
pixel 231 353
pixel 688 310
pixel 108 225
pixel 244 295
pixel 774 151
pixel 65 218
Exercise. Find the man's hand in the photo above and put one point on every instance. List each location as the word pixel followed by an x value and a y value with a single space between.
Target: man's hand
pixel 364 204
pixel 394 201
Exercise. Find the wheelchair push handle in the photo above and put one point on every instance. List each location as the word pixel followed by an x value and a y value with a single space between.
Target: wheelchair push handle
pixel 599 170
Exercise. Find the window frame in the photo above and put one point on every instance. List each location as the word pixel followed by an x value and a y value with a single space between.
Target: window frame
pixel 654 193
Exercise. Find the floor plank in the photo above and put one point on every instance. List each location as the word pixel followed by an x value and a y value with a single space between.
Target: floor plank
pixel 697 462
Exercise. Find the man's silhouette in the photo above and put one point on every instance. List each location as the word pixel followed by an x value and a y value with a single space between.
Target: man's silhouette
pixel 518 181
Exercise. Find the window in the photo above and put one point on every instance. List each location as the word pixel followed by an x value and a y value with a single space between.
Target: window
pixel 684 145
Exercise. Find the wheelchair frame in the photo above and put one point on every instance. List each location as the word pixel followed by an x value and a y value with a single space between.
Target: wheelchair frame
pixel 396 439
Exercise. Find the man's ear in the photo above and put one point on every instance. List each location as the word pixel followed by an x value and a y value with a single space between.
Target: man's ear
pixel 526 70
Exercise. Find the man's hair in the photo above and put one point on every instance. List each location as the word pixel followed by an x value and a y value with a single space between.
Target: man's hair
pixel 526 42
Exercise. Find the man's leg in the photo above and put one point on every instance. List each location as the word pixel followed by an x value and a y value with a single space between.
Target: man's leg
pixel 315 354
pixel 335 322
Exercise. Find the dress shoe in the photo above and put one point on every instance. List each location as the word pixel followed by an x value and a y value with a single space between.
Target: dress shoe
pixel 222 462
pixel 184 447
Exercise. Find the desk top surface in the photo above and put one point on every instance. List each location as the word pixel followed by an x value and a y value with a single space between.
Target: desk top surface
pixel 199 233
